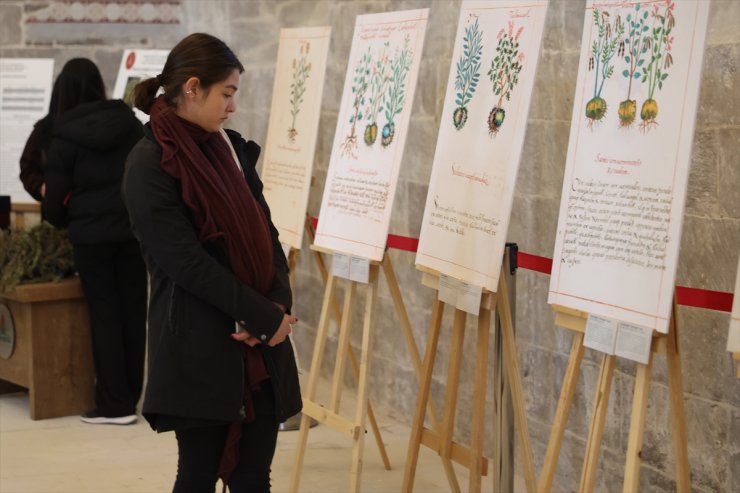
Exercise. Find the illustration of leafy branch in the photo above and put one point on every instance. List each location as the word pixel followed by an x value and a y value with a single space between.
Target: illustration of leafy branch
pixel 301 70
pixel 360 83
pixel 659 44
pixel 396 95
pixel 379 80
pixel 468 72
pixel 602 51
pixel 636 47
pixel 504 73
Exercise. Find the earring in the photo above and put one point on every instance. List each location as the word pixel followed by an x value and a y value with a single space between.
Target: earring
pixel 188 92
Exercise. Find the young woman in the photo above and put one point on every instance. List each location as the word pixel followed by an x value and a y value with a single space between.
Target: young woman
pixel 89 139
pixel 221 369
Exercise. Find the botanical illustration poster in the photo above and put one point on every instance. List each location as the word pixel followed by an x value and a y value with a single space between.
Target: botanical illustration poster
pixel 624 189
pixel 463 233
pixel 293 127
pixel 25 92
pixel 371 132
pixel 733 339
pixel 137 65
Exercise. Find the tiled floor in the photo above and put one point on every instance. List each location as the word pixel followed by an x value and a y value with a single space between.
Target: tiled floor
pixel 66 455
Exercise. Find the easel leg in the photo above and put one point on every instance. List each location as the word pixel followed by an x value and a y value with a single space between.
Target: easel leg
pixel 570 380
pixel 390 277
pixel 515 382
pixel 479 400
pixel 593 443
pixel 453 381
pixel 362 387
pixel 313 380
pixel 678 418
pixel 637 426
pixel 425 384
pixel 342 348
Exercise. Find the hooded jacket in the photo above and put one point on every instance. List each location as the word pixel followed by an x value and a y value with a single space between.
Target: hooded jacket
pixel 85 164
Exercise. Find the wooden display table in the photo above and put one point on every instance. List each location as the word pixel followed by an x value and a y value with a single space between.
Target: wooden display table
pixel 52 353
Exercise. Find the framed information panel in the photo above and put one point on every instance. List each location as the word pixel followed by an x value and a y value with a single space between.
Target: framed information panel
pixel 624 189
pixel 371 132
pixel 294 125
pixel 484 120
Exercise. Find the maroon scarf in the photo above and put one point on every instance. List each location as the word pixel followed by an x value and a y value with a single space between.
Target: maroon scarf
pixel 216 193
pixel 224 211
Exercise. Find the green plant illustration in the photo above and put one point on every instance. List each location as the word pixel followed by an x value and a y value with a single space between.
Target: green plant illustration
pixel 468 72
pixel 659 44
pixel 504 73
pixel 602 51
pixel 633 49
pixel 360 83
pixel 301 70
pixel 396 95
pixel 379 80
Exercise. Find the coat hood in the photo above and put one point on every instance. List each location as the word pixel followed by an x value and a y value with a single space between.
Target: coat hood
pixel 99 125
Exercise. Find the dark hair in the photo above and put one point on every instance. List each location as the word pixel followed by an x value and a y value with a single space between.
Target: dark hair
pixel 197 55
pixel 79 82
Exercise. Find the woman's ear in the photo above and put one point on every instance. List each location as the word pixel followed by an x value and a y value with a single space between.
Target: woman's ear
pixel 191 87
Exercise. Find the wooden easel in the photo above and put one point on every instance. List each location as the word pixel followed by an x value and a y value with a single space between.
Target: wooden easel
pixel 471 457
pixel 343 322
pixel 575 320
pixel 293 257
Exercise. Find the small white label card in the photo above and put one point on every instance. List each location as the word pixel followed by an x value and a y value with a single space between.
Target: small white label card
pixel 286 249
pixel 461 295
pixel 359 269
pixel 340 265
pixel 447 290
pixel 350 267
pixel 601 333
pixel 633 342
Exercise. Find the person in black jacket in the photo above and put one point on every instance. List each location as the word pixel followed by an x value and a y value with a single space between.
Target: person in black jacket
pixel 90 139
pixel 222 373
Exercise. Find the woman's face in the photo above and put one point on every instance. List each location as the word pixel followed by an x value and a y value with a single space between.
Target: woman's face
pixel 210 108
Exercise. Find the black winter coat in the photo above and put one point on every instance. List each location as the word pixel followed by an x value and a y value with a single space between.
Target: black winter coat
pixel 195 367
pixel 84 169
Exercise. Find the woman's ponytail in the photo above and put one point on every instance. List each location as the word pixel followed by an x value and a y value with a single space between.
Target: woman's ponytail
pixel 145 92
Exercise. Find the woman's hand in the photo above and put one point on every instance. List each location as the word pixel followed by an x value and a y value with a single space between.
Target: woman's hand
pixel 245 337
pixel 283 331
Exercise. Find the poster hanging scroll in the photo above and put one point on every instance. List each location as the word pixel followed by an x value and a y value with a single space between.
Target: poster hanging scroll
pixel 624 189
pixel 371 132
pixel 484 120
pixel 294 125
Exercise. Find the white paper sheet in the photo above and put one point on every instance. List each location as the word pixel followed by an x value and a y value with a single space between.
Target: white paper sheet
pixel 136 66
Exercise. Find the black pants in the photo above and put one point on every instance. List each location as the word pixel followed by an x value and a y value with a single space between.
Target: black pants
pixel 113 277
pixel 200 450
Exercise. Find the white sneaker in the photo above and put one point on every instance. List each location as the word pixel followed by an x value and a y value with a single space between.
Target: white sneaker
pixel 94 418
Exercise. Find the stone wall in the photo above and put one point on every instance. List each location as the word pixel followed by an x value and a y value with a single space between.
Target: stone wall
pixel 709 249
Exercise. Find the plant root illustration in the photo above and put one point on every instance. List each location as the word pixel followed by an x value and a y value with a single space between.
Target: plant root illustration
pixel 602 51
pixel 633 49
pixel 301 70
pixel 379 80
pixel 359 88
pixel 468 72
pixel 659 44
pixel 504 73
pixel 396 95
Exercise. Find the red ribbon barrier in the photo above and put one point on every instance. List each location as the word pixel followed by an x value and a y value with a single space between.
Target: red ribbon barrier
pixel 697 298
